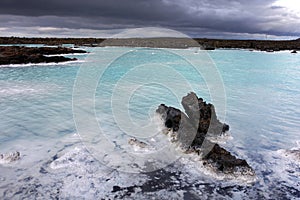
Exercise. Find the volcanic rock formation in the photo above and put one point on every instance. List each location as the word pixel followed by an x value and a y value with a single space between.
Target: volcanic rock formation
pixel 191 130
pixel 24 55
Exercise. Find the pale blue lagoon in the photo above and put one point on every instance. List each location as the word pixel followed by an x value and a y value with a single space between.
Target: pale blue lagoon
pixel 57 161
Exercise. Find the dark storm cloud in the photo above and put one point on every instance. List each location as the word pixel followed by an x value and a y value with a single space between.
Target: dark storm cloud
pixel 123 9
pixel 232 16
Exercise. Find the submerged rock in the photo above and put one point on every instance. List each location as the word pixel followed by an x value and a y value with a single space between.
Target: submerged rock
pixel 10 157
pixel 293 154
pixel 294 51
pixel 191 130
pixel 138 143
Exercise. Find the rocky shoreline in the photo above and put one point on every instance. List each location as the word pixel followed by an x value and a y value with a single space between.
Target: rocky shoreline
pixel 24 55
pixel 51 41
pixel 204 43
pixel 260 45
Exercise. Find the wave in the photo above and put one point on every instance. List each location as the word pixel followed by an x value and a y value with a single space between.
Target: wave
pixel 26 88
pixel 67 54
pixel 42 64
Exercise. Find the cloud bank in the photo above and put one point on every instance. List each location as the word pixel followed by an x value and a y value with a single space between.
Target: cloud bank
pixel 99 18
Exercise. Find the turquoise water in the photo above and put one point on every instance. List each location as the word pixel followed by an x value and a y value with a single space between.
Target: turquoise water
pixel 38 111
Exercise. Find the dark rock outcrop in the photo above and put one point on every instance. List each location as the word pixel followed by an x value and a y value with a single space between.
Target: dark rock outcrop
pixel 262 45
pixel 179 124
pixel 51 41
pixel 24 55
pixel 294 51
pixel 191 130
pixel 202 115
pixel 222 160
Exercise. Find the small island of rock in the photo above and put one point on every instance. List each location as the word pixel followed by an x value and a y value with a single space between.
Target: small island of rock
pixel 191 129
pixel 24 55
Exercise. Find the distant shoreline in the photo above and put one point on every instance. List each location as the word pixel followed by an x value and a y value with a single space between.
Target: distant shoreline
pixel 204 43
pixel 24 55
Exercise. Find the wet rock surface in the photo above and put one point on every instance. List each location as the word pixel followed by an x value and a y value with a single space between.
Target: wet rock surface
pixel 136 142
pixel 24 55
pixel 222 160
pixel 294 51
pixel 192 129
pixel 203 115
pixel 10 157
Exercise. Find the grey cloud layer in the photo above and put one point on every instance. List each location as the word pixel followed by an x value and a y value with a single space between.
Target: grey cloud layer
pixel 236 16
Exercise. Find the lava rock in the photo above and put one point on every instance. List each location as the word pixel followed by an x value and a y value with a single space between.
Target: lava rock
pixel 183 130
pixel 203 115
pixel 24 55
pixel 221 160
pixel 192 129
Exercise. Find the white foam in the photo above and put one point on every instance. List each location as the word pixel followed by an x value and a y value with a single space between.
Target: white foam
pixel 282 169
pixel 140 146
pixel 25 88
pixel 69 160
pixel 67 54
pixel 64 165
pixel 42 64
pixel 18 91
pixel 162 194
pixel 221 139
pixel 293 154
pixel 80 163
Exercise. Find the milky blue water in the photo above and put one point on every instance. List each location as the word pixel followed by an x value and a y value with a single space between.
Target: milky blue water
pixel 37 118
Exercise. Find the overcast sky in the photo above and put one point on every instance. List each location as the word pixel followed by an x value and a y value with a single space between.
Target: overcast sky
pixel 196 18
